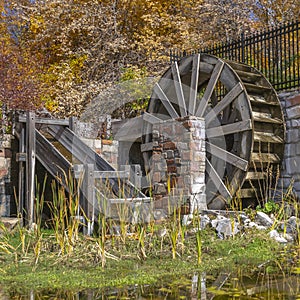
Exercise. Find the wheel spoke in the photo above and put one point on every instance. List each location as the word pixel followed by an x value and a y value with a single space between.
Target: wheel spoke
pixel 217 180
pixel 165 101
pixel 178 89
pixel 229 128
pixel 227 156
pixel 194 84
pixel 150 118
pixel 228 98
pixel 210 88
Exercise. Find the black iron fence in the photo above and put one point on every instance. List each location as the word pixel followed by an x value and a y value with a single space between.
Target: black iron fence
pixel 275 52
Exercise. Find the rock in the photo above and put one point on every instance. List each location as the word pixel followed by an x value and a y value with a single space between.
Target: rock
pixel 263 219
pixel 225 227
pixel 204 221
pixel 9 223
pixel 159 214
pixel 289 238
pixel 274 234
pixel 187 220
pixel 291 226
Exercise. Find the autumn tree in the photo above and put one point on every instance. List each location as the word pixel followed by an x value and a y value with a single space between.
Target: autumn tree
pixel 19 76
pixel 274 12
pixel 81 48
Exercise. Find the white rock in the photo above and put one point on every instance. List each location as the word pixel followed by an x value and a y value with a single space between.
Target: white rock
pixel 264 219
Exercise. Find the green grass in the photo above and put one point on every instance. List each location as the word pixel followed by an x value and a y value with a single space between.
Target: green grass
pixel 82 268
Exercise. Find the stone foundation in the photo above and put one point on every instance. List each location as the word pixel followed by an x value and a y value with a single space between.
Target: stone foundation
pixel 6 190
pixel 290 102
pixel 178 164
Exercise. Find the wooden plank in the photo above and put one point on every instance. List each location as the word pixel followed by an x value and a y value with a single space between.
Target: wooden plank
pixel 178 89
pixel 88 156
pixel 264 158
pixel 239 66
pixel 30 166
pixel 247 193
pixel 227 156
pixel 259 89
pixel 105 174
pixel 194 84
pixel 150 118
pixel 88 202
pixel 218 182
pixel 52 160
pixel 267 137
pixel 229 128
pixel 228 98
pixel 265 118
pixel 256 175
pixel 21 187
pixel 248 76
pixel 261 100
pixel 210 88
pixel 47 121
pixel 165 101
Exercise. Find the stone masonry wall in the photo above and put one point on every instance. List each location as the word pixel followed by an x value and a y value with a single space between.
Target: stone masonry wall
pixel 178 163
pixel 6 193
pixel 290 102
pixel 89 134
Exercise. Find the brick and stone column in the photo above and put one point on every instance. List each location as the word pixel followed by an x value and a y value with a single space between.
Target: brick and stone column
pixel 178 164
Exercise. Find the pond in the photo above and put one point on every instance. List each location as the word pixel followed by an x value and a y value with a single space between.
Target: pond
pixel 267 283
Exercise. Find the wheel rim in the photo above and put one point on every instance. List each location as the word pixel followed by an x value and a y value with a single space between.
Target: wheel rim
pixel 193 87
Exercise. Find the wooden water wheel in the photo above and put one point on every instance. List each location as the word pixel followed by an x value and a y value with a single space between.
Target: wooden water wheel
pixel 243 119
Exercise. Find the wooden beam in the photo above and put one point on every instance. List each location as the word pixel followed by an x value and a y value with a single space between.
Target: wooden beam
pixel 218 182
pixel 194 84
pixel 210 88
pixel 47 121
pixel 227 156
pixel 165 101
pixel 30 166
pixel 88 201
pixel 22 166
pixel 52 160
pixel 228 98
pixel 149 118
pixel 178 89
pixel 88 156
pixel 229 128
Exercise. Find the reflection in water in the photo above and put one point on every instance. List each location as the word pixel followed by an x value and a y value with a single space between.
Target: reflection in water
pixel 262 285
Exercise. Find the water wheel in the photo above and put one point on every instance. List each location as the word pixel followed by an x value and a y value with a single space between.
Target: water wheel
pixel 243 119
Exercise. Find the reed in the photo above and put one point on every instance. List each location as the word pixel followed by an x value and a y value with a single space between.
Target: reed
pixel 65 213
pixel 198 238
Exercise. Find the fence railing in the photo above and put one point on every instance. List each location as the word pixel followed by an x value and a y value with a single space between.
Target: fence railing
pixel 275 52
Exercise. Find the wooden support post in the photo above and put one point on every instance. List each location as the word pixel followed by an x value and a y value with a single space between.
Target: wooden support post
pixel 136 176
pixel 72 122
pixel 21 174
pixel 88 204
pixel 30 167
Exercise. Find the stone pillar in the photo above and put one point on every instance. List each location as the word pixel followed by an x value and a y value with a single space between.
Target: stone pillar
pixel 6 193
pixel 178 164
pixel 290 175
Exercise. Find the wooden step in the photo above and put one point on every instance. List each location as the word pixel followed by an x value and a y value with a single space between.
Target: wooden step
pixel 255 175
pixel 259 99
pixel 239 66
pixel 248 77
pixel 265 118
pixel 247 193
pixel 265 158
pixel 257 89
pixel 267 137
